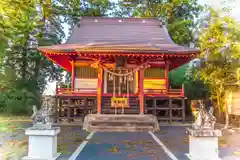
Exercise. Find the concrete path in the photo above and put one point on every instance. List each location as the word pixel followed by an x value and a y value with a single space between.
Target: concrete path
pixel 122 146
pixel 171 143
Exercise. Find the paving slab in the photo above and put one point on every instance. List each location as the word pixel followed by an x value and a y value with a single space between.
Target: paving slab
pixel 122 146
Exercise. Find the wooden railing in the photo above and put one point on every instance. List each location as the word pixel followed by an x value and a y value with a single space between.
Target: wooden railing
pixel 77 91
pixel 93 92
pixel 165 92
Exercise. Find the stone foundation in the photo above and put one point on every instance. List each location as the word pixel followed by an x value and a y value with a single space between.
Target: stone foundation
pixel 121 123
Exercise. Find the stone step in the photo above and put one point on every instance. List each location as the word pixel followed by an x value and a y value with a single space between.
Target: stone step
pixel 121 123
pixel 125 118
pixel 120 129
pixel 131 123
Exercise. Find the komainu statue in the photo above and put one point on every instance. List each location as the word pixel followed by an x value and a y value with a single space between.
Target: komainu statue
pixel 205 119
pixel 43 118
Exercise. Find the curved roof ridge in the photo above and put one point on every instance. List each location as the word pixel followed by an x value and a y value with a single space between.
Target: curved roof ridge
pixel 118 32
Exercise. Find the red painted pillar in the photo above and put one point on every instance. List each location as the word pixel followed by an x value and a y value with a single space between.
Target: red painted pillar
pixel 73 75
pixel 99 90
pixel 141 90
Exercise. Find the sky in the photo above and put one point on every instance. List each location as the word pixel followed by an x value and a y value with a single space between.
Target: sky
pixel 234 5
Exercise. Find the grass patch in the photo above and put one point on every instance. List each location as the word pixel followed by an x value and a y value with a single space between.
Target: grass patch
pixel 10 127
pixel 10 118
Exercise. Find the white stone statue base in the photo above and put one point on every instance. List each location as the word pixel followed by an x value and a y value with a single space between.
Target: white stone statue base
pixel 42 144
pixel 203 144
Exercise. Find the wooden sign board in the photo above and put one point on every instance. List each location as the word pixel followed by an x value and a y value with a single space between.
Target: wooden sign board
pixel 81 83
pixel 154 84
pixel 234 103
pixel 119 103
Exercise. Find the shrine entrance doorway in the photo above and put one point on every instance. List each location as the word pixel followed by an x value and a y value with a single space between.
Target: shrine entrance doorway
pixel 120 83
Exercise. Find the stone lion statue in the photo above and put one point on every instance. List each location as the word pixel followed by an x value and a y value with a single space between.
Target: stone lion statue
pixel 205 119
pixel 44 116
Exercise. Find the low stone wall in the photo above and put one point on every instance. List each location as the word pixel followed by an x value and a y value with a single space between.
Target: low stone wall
pixel 234 120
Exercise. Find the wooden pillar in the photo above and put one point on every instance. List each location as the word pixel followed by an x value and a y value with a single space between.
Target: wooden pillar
pixel 141 90
pixel 170 110
pixel 155 106
pixel 105 82
pixel 85 108
pixel 73 75
pixel 136 82
pixel 183 90
pixel 69 110
pixel 183 109
pixel 166 74
pixel 99 90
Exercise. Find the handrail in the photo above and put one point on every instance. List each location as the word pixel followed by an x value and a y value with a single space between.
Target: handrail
pixel 74 90
pixel 173 92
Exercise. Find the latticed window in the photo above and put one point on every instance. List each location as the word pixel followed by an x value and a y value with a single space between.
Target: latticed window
pixel 86 72
pixel 154 73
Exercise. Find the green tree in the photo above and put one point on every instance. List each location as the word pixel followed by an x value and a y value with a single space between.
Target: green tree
pixel 219 61
pixel 24 26
pixel 194 88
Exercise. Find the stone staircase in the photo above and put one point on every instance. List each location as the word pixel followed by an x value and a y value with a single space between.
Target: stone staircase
pixel 120 123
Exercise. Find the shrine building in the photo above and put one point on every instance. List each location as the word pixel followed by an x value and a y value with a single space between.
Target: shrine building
pixel 120 66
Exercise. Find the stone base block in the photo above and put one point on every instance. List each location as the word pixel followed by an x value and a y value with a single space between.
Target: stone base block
pixel 42 144
pixel 34 158
pixel 203 148
pixel 190 158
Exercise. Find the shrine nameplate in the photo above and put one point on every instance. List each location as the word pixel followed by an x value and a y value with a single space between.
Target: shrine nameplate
pixel 119 103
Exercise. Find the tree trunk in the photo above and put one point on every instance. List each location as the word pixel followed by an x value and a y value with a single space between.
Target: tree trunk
pixel 226 119
pixel 227 99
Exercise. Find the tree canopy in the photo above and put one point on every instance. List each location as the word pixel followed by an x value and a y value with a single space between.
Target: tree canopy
pixel 179 15
pixel 218 64
pixel 23 28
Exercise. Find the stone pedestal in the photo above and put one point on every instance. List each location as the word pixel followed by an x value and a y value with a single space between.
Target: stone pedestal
pixel 203 144
pixel 42 144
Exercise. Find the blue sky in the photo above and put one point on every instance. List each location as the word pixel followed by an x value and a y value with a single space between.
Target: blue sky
pixel 234 5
